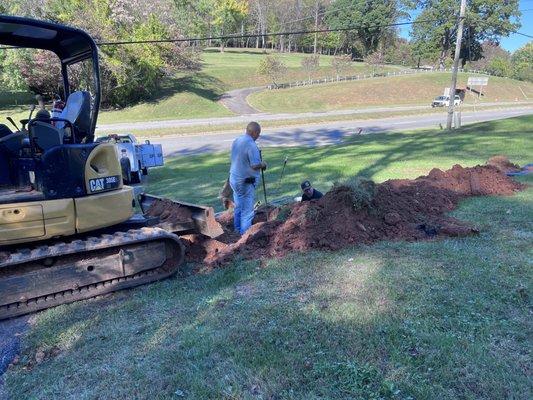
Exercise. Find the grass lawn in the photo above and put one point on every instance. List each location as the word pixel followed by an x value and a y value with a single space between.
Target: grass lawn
pixel 410 89
pixel 196 94
pixel 378 156
pixel 236 68
pixel 188 96
pixel 445 319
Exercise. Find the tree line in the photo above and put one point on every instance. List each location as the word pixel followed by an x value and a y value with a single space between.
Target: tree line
pixel 134 72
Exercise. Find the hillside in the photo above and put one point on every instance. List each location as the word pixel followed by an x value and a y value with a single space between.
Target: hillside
pixel 195 94
pixel 401 90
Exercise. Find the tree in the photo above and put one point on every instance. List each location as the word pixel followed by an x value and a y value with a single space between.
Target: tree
pixel 194 17
pixel 490 51
pixel 341 64
pixel 522 63
pixel 368 18
pixel 499 66
pixel 434 33
pixel 10 75
pixel 273 68
pixel 129 73
pixel 41 72
pixel 228 16
pixel 375 60
pixel 259 11
pixel 311 64
pixel 399 51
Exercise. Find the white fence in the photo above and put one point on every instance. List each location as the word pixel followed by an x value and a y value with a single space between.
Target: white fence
pixel 365 76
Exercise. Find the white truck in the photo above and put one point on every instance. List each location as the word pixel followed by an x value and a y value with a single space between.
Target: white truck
pixel 135 158
pixel 444 101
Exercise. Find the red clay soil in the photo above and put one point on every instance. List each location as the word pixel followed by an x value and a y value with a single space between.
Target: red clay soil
pixel 168 211
pixel 401 209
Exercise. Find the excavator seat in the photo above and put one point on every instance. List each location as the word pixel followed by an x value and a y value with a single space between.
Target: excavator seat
pixel 78 112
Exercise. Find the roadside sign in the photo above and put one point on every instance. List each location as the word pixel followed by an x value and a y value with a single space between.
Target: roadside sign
pixel 478 81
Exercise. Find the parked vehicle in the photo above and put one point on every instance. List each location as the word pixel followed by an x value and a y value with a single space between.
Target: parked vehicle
pixel 444 101
pixel 135 158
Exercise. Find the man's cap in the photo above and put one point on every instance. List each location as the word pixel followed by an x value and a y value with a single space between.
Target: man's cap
pixel 305 185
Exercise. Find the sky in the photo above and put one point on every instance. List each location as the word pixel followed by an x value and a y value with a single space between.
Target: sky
pixel 511 43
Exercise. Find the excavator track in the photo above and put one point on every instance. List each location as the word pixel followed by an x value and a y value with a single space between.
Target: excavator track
pixel 44 276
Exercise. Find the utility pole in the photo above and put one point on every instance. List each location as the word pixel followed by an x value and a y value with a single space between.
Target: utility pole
pixel 316 27
pixel 458 41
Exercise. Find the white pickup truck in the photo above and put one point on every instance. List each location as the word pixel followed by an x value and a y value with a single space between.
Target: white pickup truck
pixel 135 158
pixel 444 101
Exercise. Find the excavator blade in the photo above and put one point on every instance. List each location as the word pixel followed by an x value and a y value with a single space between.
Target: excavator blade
pixel 180 217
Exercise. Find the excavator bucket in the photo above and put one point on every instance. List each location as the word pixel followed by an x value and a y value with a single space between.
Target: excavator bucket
pixel 180 217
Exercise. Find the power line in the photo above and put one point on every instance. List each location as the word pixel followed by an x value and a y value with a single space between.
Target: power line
pixel 523 34
pixel 252 35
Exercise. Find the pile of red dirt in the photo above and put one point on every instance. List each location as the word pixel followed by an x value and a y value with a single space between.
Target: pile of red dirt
pixel 400 209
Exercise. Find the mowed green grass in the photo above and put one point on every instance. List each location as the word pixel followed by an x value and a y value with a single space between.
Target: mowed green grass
pixel 443 319
pixel 379 157
pixel 196 94
pixel 401 90
pixel 237 68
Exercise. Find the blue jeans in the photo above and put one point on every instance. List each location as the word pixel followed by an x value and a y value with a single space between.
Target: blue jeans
pixel 244 198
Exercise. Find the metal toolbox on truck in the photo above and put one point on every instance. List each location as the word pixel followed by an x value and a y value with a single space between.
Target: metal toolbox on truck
pixel 151 155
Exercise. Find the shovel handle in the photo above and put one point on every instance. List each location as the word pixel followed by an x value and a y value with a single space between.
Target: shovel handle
pixel 263 178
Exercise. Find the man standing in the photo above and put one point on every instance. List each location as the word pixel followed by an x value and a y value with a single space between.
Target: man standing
pixel 309 192
pixel 246 165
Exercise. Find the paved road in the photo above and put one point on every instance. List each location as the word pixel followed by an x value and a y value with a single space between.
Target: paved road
pixel 235 100
pixel 242 119
pixel 324 133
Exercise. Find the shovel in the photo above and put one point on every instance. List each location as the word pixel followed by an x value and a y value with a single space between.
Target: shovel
pixel 263 178
pixel 282 171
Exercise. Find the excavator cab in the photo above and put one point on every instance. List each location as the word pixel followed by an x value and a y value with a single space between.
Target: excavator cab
pixel 56 180
pixel 67 226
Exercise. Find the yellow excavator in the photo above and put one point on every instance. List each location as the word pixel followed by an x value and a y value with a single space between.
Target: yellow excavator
pixel 68 226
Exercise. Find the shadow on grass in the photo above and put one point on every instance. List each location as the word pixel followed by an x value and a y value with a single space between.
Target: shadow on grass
pixel 198 178
pixel 436 320
pixel 198 83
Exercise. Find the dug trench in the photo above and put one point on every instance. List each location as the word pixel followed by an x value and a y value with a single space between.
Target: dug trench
pixel 359 211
